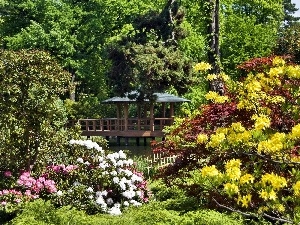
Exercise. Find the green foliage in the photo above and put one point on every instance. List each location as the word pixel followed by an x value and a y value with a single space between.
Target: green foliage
pixel 288 42
pixel 32 116
pixel 43 213
pixel 209 217
pixel 193 45
pixel 248 30
pixel 87 106
pixel 150 61
pixel 289 10
pixel 61 27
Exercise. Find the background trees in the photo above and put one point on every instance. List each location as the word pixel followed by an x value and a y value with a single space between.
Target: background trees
pixel 79 33
pixel 149 59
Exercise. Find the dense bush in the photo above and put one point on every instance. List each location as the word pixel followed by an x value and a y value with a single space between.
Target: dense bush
pixel 91 180
pixel 32 116
pixel 44 213
pixel 241 151
pixel 98 182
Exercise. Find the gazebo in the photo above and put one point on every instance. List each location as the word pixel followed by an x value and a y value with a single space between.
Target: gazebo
pixel 147 120
pixel 144 123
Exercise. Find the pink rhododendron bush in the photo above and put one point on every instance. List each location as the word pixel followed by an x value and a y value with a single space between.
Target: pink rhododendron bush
pixel 95 182
pixel 241 152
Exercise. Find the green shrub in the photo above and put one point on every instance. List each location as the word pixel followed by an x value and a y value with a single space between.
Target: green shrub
pixel 209 217
pixel 40 212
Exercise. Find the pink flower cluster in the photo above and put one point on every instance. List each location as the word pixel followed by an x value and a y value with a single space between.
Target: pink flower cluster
pixel 8 194
pixel 11 191
pixel 36 185
pixel 7 173
pixel 62 168
pixel 142 185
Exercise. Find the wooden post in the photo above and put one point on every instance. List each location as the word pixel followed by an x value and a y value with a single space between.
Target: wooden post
pixel 126 116
pixel 118 117
pixel 139 117
pixel 151 116
pixel 171 109
pixel 163 109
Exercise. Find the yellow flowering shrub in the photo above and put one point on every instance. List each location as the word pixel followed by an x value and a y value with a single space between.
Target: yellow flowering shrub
pixel 202 138
pixel 246 179
pixel 215 97
pixel 231 189
pixel 202 66
pixel 244 200
pixel 296 188
pixel 210 171
pixel 249 140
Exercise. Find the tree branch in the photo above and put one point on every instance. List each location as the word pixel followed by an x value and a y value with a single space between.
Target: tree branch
pixel 252 214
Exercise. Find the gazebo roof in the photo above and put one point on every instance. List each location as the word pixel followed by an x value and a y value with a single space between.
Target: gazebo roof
pixel 161 97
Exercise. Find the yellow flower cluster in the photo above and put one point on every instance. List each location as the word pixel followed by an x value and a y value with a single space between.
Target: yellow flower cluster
pixel 295 132
pixel 293 71
pixel 254 89
pixel 250 93
pixel 273 145
pixel 279 207
pixel 296 188
pixel 275 181
pixel 224 77
pixel 202 138
pixel 262 209
pixel 275 99
pixel 241 138
pixel 211 77
pixel 237 134
pixel 221 76
pixel 210 171
pixel 233 163
pixel 244 200
pixel 202 66
pixel 233 169
pixel 278 61
pixel 215 97
pixel 246 179
pixel 275 72
pixel 268 195
pixel 261 122
pixel 253 86
pixel 231 189
pixel 216 140
pixel 222 130
pixel 238 127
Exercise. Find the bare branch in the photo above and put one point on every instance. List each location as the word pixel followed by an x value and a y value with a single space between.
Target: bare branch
pixel 252 214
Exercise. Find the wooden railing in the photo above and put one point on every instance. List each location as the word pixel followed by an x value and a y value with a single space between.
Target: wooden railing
pixel 115 124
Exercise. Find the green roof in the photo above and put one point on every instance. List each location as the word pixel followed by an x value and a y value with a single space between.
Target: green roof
pixel 161 97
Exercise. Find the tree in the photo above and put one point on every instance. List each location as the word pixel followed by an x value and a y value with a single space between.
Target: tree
pixel 61 28
pixel 31 113
pixel 149 60
pixel 288 42
pixel 248 29
pixel 289 10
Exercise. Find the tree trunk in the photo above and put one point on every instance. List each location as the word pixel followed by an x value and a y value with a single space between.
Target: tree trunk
pixel 214 45
pixel 72 88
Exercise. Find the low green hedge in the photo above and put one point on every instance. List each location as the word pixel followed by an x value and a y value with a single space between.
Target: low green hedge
pixel 40 212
